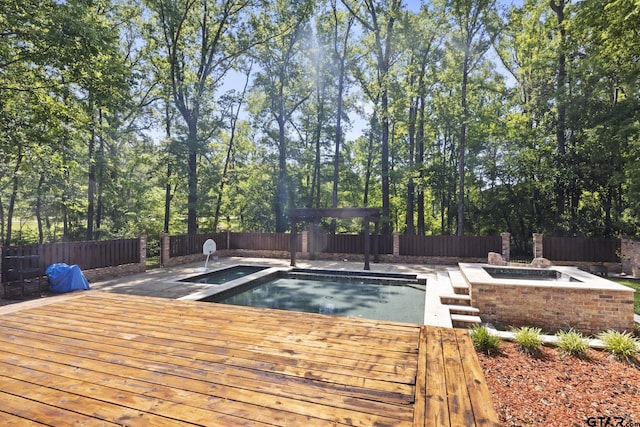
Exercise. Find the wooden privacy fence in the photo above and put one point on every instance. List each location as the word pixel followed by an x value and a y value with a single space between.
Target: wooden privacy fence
pixel 450 246
pixel 581 249
pixel 32 260
pixel 262 241
pixel 353 243
pixel 436 246
pixel 183 245
pixel 189 244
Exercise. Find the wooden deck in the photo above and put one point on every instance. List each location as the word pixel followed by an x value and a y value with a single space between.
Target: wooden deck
pixel 107 359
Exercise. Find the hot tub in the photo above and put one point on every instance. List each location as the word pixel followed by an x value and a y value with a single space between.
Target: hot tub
pixel 552 298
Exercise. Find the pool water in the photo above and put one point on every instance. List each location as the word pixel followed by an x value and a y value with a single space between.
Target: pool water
pixel 218 277
pixel 342 297
pixel 529 274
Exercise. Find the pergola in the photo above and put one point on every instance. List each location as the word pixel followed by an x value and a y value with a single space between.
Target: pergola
pixel 310 215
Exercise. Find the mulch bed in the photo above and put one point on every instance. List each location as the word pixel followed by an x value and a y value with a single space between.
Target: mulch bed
pixel 558 390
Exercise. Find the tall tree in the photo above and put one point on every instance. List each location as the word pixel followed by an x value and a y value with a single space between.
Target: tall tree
pixel 282 83
pixel 342 26
pixel 559 8
pixel 198 39
pixel 378 20
pixel 474 31
pixel 233 115
pixel 422 37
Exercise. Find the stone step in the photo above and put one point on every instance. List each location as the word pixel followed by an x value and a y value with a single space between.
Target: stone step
pixel 455 299
pixel 463 309
pixel 458 282
pixel 445 283
pixel 465 320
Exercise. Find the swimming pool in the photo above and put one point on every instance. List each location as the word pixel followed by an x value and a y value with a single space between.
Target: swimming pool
pixel 368 295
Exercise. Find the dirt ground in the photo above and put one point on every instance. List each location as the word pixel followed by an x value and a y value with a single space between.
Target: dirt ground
pixel 558 390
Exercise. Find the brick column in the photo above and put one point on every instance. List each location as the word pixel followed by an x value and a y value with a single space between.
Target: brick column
pixel 506 246
pixel 396 244
pixel 537 245
pixel 164 249
pixel 143 252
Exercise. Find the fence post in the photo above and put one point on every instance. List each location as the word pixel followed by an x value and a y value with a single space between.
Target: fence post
pixel 1 268
pixel 537 245
pixel 396 244
pixel 143 251
pixel 164 249
pixel 506 246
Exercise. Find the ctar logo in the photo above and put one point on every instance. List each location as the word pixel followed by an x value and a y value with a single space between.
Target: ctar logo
pixel 610 422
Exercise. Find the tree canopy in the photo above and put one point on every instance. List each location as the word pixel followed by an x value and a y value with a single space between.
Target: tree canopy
pixel 451 116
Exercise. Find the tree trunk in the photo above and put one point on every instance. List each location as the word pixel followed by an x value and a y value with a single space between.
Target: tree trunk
pixel 1 221
pixel 91 188
pixel 227 160
pixel 315 181
pixel 367 175
pixel 384 161
pixel 463 140
pixel 192 179
pixel 65 211
pixel 100 175
pixel 167 200
pixel 167 188
pixel 39 209
pixel 14 196
pixel 339 107
pixel 410 209
pixel 561 143
pixel 281 186
pixel 420 161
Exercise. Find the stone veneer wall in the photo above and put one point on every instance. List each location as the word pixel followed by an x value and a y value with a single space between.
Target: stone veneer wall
pixel 552 309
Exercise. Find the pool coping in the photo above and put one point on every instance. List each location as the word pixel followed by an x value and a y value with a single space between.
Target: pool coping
pixel 214 289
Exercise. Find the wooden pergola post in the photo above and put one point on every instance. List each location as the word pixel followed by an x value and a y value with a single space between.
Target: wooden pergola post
pixel 292 242
pixel 367 243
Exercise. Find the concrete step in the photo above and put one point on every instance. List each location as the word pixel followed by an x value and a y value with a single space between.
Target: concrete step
pixel 455 299
pixel 465 320
pixel 458 282
pixel 463 309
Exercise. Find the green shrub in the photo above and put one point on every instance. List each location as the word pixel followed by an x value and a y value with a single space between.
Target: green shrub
pixel 484 341
pixel 528 339
pixel 572 343
pixel 621 345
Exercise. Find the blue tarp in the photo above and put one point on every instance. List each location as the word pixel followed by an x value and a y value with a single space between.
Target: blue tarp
pixel 66 278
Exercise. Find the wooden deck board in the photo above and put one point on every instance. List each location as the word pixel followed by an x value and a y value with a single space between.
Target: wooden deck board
pixel 107 359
